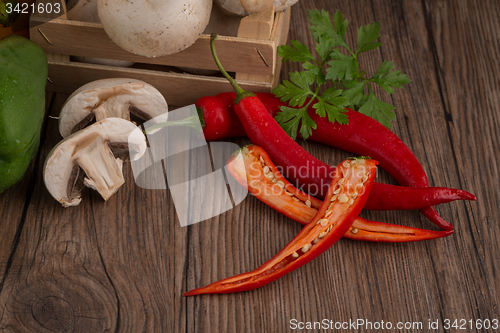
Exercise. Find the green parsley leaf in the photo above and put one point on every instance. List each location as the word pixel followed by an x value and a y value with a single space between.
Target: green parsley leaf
pixel 290 118
pixel 296 92
pixel 315 70
pixel 321 25
pixel 355 92
pixel 340 24
pixel 366 35
pixel 380 111
pixel 324 47
pixel 297 52
pixel 335 113
pixel 343 67
pixel 388 80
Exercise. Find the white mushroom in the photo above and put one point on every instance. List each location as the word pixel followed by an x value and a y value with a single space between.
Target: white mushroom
pixel 86 11
pixel 235 7
pixel 110 98
pixel 92 157
pixel 154 28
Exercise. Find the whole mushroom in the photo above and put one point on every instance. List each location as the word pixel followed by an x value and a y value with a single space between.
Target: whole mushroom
pixel 119 97
pixel 92 157
pixel 154 28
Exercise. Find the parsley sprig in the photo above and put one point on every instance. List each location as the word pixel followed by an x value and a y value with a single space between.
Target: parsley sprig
pixel 351 88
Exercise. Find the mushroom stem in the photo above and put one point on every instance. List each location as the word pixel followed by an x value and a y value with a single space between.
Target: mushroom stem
pixel 103 171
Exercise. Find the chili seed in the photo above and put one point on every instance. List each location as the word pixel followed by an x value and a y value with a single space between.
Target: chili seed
pixel 289 194
pixel 337 191
pixel 266 169
pixel 324 222
pixel 261 159
pixel 322 234
pixel 343 198
pixel 334 198
pixel 355 230
pixel 306 247
pixel 295 255
pixel 308 203
pixel 351 201
pixel 274 180
pixel 280 184
pixel 346 164
pixel 296 199
pixel 328 213
pixel 341 181
pixel 316 240
pixel 355 195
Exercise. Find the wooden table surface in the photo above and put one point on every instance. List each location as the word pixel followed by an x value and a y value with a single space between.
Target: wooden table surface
pixel 122 265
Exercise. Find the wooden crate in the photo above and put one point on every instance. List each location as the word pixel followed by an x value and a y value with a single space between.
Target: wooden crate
pixel 252 56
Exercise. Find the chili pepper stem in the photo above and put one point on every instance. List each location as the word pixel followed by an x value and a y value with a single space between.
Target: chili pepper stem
pixel 193 122
pixel 240 93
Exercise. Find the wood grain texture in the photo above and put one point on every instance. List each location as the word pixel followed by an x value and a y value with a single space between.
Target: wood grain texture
pixel 122 265
pixel 73 38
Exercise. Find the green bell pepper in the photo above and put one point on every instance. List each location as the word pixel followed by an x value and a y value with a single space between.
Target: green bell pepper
pixel 23 77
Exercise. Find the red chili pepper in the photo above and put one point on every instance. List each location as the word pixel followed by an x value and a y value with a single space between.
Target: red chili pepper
pixel 253 169
pixel 352 181
pixel 383 197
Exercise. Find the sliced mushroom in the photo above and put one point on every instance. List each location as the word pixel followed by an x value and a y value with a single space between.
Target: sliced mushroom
pixel 106 98
pixel 87 158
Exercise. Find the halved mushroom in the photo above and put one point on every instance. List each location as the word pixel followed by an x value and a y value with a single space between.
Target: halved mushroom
pixel 106 98
pixel 92 157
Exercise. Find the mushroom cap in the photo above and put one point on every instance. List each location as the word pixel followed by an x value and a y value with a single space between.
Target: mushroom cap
pixel 154 28
pixel 110 98
pixel 61 160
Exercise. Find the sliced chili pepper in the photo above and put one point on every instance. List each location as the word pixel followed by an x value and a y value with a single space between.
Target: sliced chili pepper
pixel 253 169
pixel 346 197
pixel 384 197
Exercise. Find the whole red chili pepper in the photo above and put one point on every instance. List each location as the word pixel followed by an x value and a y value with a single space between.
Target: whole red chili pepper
pixel 253 169
pixel 384 196
pixel 346 197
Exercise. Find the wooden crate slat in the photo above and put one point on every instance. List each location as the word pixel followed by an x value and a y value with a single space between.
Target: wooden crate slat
pixel 90 40
pixel 178 89
pixel 257 26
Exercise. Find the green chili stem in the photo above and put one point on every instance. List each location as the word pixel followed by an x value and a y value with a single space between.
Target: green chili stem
pixel 240 93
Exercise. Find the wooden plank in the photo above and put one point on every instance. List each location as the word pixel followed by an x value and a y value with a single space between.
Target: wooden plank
pixel 122 265
pixel 178 89
pixel 84 269
pixel 13 203
pixel 256 26
pixel 75 38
